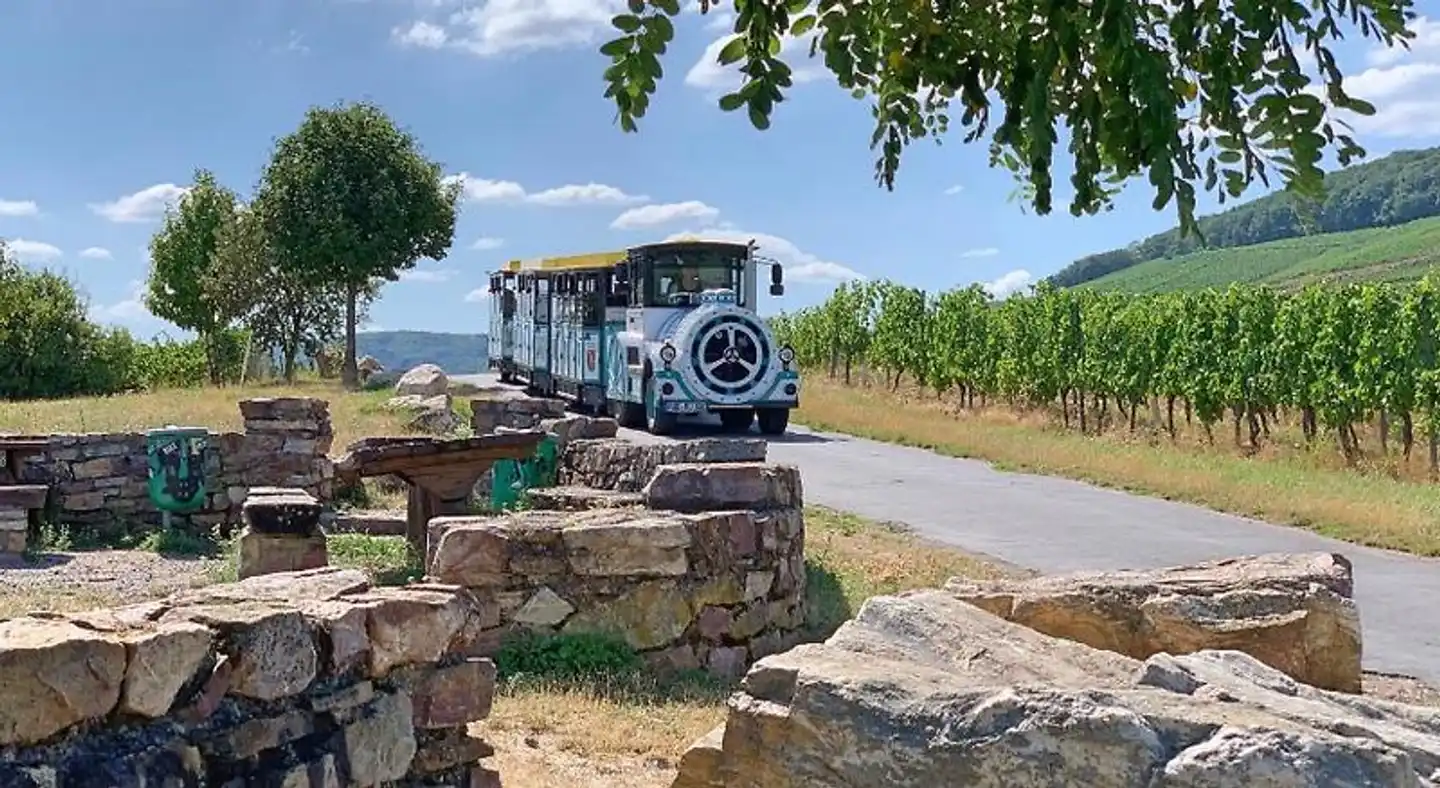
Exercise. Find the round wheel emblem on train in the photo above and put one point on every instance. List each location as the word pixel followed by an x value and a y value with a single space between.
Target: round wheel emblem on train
pixel 730 354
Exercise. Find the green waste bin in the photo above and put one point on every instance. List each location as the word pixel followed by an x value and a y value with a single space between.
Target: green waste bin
pixel 513 477
pixel 176 456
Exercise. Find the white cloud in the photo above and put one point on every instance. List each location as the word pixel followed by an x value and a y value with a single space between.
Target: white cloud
pixel 146 205
pixel 128 309
pixel 427 275
pixel 800 266
pixel 420 34
pixel 1400 85
pixel 988 251
pixel 1427 37
pixel 96 253
pixel 478 295
pixel 34 252
pixel 719 20
pixel 485 243
pixel 664 213
pixel 584 194
pixel 486 190
pixel 956 189
pixel 497 27
pixel 1009 284
pixel 18 208
pixel 707 74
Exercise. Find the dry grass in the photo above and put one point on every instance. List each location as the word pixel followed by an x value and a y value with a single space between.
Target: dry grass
pixel 352 414
pixel 1380 504
pixel 631 735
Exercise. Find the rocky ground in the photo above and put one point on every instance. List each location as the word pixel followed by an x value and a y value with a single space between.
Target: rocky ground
pixel 95 578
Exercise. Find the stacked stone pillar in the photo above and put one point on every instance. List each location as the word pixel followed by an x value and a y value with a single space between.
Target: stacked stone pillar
pixel 282 532
pixel 289 438
pixel 16 501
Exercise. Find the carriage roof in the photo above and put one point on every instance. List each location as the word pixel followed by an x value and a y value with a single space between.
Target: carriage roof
pixel 580 262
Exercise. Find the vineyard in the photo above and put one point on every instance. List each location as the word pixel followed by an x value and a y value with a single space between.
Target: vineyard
pixel 1334 358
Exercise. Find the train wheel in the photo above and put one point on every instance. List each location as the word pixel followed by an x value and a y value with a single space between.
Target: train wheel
pixel 773 421
pixel 657 421
pixel 737 420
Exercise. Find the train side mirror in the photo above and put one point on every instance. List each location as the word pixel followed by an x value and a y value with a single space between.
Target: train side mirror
pixel 777 280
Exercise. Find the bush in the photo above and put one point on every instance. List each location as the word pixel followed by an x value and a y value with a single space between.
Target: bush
pixel 48 345
pixel 556 656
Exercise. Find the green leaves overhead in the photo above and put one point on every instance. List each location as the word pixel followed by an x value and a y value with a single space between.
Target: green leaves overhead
pixel 1184 93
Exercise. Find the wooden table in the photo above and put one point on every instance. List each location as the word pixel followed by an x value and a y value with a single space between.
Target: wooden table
pixel 441 472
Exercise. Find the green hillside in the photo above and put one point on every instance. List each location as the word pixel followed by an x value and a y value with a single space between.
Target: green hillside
pixel 1402 253
pixel 398 351
pixel 1386 192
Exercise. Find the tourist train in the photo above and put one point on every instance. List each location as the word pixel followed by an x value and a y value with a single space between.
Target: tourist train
pixel 648 335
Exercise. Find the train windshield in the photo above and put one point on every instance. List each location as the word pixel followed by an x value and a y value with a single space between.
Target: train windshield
pixel 678 277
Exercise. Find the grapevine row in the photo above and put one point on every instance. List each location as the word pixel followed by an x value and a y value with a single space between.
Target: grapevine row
pixel 1336 356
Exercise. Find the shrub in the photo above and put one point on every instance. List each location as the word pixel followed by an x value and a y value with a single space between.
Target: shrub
pixel 565 656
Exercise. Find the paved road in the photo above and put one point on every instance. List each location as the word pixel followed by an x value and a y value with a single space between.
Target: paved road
pixel 1057 525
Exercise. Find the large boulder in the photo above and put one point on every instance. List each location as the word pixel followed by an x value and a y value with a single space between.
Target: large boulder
pixel 426 380
pixel 430 415
pixel 1293 612
pixel 924 689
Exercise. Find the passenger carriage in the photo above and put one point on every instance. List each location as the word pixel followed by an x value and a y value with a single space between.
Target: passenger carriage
pixel 649 335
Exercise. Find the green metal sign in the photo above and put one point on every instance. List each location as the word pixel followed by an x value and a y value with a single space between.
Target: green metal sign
pixel 513 477
pixel 176 457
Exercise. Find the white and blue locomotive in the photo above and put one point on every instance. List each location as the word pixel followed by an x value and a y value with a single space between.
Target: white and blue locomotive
pixel 648 335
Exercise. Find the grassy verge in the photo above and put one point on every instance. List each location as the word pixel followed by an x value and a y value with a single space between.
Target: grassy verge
pixel 353 415
pixel 1381 504
pixel 627 729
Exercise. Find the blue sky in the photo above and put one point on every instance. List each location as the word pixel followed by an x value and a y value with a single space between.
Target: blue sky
pixel 111 106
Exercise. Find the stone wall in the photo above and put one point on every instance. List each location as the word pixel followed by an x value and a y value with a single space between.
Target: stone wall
pixel 626 466
pixel 99 479
pixel 308 678
pixel 707 573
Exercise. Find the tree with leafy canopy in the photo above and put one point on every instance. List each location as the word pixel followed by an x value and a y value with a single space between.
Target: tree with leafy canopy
pixel 281 310
pixel 181 253
pixel 347 199
pixel 1178 90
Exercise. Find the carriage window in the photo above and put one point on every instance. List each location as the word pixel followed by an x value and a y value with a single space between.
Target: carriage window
pixel 542 300
pixel 677 276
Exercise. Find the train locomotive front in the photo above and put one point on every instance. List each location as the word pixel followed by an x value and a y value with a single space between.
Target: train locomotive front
pixel 721 358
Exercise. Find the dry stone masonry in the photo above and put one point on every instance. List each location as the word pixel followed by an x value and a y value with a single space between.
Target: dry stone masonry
pixel 626 466
pixel 294 679
pixel 1295 613
pixel 99 479
pixel 707 573
pixel 931 688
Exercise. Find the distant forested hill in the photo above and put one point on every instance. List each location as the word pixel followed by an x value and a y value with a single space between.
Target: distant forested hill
pixel 1396 189
pixel 457 354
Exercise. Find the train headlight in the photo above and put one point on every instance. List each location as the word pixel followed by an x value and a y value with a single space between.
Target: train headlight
pixel 667 354
pixel 787 355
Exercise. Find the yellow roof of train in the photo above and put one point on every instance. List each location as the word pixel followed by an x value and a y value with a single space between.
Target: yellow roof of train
pixel 578 262
pixel 570 263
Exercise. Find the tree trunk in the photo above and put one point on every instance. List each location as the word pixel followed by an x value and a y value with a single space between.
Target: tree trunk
pixel 1407 433
pixel 349 373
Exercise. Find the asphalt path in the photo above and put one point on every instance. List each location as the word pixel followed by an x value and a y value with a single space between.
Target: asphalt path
pixel 1057 525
